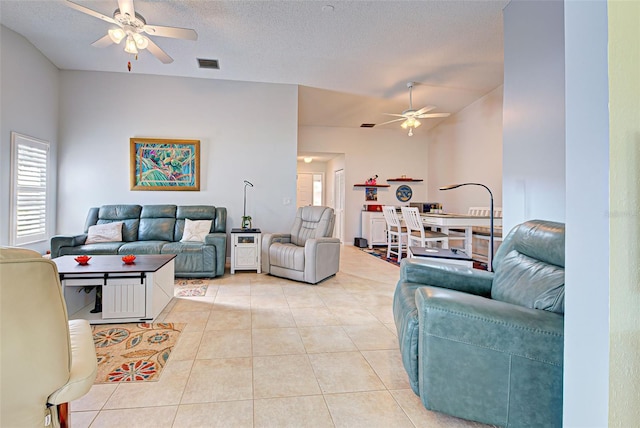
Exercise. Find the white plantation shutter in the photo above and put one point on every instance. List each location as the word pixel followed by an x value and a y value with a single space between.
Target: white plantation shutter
pixel 30 160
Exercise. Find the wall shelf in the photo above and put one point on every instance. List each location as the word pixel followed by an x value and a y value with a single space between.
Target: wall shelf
pixel 371 185
pixel 404 180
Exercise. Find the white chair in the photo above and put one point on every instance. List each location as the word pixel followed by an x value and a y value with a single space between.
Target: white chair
pixel 396 234
pixel 484 233
pixel 416 234
pixel 47 361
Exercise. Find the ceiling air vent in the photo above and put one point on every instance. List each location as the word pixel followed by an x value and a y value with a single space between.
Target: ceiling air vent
pixel 209 63
pixel 367 125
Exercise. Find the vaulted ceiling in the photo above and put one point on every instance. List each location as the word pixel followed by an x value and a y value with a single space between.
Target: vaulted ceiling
pixel 353 59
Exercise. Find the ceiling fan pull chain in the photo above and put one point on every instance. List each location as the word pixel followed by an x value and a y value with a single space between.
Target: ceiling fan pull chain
pixel 129 65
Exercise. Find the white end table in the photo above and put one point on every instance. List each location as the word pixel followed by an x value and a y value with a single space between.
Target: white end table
pixel 245 250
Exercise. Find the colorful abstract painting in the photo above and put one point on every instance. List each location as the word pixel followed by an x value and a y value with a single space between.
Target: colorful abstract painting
pixel 165 164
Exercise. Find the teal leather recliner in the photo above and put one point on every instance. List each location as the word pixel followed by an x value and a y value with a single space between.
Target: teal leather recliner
pixel 488 346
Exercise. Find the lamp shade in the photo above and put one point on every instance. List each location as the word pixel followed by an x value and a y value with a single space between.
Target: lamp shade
pixel 116 35
pixel 130 46
pixel 141 41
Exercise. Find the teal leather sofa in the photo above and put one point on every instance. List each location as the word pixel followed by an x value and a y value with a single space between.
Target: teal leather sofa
pixel 488 346
pixel 156 229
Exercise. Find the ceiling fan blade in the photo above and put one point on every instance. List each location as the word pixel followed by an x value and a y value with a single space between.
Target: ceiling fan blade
pixel 102 42
pixel 394 114
pixel 424 110
pixel 391 121
pixel 426 116
pixel 91 12
pixel 174 32
pixel 158 53
pixel 126 8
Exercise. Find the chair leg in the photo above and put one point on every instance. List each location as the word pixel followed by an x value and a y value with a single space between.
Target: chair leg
pixel 63 415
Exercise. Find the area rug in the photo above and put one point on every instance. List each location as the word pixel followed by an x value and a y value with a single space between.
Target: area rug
pixel 190 287
pixel 381 253
pixel 133 352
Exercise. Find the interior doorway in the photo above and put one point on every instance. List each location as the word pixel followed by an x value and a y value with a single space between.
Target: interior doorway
pixel 309 189
pixel 339 203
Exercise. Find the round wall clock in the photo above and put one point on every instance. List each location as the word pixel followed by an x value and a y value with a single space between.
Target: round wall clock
pixel 404 193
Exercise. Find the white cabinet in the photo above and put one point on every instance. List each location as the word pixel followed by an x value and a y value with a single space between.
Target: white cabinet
pixel 374 228
pixel 245 250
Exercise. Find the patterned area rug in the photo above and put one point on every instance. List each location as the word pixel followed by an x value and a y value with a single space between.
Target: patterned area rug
pixel 190 287
pixel 381 253
pixel 133 352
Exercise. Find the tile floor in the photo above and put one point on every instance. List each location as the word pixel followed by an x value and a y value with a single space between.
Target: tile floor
pixel 260 351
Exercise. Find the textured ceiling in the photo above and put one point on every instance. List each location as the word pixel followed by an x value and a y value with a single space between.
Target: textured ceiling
pixel 353 59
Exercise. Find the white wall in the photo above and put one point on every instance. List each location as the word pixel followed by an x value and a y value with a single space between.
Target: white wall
pixel 29 87
pixel 586 369
pixel 467 147
pixel 100 112
pixel 387 153
pixel 624 149
pixel 533 163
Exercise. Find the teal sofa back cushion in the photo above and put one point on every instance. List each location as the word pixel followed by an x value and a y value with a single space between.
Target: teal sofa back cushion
pixel 157 223
pixel 128 214
pixel 529 267
pixel 200 212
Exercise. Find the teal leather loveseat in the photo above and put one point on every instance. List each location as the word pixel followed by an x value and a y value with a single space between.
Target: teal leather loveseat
pixel 488 346
pixel 156 229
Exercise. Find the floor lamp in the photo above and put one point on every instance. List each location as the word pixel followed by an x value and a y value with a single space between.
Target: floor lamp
pixel 244 207
pixel 455 186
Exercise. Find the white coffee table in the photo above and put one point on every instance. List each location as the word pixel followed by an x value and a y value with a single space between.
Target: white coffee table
pixel 130 293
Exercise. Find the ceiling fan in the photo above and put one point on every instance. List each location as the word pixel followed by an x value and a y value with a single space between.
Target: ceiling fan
pixel 411 116
pixel 130 26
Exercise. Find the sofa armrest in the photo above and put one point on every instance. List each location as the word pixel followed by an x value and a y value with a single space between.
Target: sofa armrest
pixel 59 241
pixel 487 323
pixel 84 364
pixel 219 241
pixel 454 277
pixel 489 361
pixel 267 240
pixel 322 258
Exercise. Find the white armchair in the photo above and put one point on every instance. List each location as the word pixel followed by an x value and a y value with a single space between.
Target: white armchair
pixel 46 361
pixel 309 253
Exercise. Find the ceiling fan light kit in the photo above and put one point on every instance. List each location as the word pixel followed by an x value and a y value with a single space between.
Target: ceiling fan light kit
pixel 410 116
pixel 130 25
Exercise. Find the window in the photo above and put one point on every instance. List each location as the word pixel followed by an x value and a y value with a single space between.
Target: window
pixel 29 165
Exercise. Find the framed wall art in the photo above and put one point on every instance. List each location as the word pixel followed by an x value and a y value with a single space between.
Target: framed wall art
pixel 158 164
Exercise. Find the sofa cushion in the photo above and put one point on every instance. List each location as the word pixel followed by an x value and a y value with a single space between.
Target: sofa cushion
pixel 93 249
pixel 528 282
pixel 287 256
pixel 157 223
pixel 128 214
pixel 108 232
pixel 195 212
pixel 195 230
pixel 142 247
pixel 192 257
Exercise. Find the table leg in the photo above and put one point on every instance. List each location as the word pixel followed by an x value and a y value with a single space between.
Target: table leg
pixel 468 241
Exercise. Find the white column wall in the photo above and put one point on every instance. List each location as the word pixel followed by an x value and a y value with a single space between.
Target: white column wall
pixel 533 156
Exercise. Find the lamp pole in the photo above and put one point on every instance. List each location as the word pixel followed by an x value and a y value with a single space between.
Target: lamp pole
pixel 455 186
pixel 244 207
